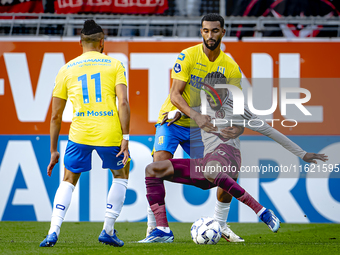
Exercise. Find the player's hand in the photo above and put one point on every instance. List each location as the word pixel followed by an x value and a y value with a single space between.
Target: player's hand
pixel 232 132
pixel 54 160
pixel 203 121
pixel 177 117
pixel 124 148
pixel 311 157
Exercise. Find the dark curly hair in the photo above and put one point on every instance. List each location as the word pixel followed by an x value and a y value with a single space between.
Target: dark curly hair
pixel 213 17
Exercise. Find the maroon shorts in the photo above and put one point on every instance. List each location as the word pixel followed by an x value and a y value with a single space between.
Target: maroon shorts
pixel 191 171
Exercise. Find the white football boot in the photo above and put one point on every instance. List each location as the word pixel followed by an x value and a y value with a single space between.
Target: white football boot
pixel 230 236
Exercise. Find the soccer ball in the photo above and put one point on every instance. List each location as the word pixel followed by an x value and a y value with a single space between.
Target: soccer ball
pixel 206 230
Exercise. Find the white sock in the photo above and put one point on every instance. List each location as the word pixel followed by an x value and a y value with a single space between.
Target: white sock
pixel 151 218
pixel 164 229
pixel 115 201
pixel 221 213
pixel 261 211
pixel 61 203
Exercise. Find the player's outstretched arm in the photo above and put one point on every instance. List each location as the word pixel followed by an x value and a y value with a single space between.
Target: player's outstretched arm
pixel 124 117
pixel 311 157
pixel 58 106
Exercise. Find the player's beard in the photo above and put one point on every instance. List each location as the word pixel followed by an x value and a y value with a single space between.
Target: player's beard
pixel 214 46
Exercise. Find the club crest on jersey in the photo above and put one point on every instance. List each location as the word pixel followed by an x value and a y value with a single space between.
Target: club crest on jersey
pixel 221 69
pixel 177 68
pixel 220 114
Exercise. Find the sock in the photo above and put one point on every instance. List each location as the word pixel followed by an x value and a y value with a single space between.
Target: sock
pixel 225 182
pixel 155 191
pixel 261 211
pixel 115 201
pixel 164 229
pixel 155 194
pixel 221 213
pixel 247 199
pixel 151 218
pixel 160 215
pixel 61 203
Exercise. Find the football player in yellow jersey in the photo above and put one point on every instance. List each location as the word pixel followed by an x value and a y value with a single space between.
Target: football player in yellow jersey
pixel 92 82
pixel 189 71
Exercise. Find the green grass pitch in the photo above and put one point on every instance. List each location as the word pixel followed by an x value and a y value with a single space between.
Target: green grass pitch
pixel 82 238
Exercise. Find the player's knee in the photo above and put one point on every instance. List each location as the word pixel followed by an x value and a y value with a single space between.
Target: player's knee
pixel 149 170
pixel 210 176
pixel 212 170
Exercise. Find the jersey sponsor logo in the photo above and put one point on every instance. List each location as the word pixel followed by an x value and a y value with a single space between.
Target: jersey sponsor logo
pixel 201 70
pixel 181 56
pixel 177 68
pixel 221 69
pixel 93 60
pixel 196 81
pixel 220 114
pixel 161 140
pixel 61 207
pixel 197 63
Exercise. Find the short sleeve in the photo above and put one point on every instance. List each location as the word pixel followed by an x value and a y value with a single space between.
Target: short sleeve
pixel 60 88
pixel 121 75
pixel 235 77
pixel 182 68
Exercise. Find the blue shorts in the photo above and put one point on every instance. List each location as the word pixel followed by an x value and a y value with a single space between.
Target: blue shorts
pixel 167 138
pixel 78 157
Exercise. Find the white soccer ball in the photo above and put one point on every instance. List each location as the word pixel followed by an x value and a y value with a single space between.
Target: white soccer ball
pixel 206 230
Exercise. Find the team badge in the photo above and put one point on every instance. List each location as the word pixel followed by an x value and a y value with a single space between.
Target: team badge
pixel 220 114
pixel 221 69
pixel 177 68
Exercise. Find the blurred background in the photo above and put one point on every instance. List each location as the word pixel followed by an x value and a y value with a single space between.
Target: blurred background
pixel 168 18
pixel 276 43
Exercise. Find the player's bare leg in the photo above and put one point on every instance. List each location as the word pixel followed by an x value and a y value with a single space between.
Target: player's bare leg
pixel 115 201
pixel 61 203
pixel 157 156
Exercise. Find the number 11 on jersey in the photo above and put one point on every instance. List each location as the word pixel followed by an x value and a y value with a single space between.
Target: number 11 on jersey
pixel 97 85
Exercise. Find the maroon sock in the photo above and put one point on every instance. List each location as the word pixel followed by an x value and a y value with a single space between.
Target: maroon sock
pixel 160 215
pixel 247 199
pixel 228 184
pixel 155 193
